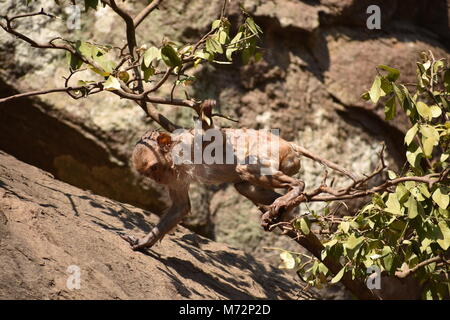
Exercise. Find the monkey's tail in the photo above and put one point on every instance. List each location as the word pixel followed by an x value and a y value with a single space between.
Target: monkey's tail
pixel 323 161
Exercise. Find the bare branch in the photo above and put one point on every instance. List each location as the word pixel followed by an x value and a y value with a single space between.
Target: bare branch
pixel 41 92
pixel 144 13
pixel 405 273
pixel 154 99
pixel 132 44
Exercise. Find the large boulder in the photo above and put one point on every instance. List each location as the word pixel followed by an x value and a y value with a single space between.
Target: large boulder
pixel 51 232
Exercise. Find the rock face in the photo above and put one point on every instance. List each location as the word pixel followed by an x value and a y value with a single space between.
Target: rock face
pixel 319 57
pixel 48 228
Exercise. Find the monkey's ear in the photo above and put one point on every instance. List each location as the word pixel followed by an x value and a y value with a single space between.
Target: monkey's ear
pixel 164 140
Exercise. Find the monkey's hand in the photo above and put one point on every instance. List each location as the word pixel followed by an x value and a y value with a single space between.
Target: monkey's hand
pixel 266 221
pixel 139 244
pixel 280 207
pixel 276 210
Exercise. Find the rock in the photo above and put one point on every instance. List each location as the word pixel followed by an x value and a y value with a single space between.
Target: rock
pixel 49 228
pixel 293 14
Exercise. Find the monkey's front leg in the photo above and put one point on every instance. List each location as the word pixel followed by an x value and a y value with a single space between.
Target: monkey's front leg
pixel 179 209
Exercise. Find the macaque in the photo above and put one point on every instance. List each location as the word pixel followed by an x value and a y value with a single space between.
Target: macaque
pixel 255 161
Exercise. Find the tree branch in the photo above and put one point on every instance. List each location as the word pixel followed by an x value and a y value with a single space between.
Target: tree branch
pixel 144 13
pixel 40 92
pixel 405 273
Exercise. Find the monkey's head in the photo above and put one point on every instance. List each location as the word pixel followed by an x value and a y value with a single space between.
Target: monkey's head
pixel 152 158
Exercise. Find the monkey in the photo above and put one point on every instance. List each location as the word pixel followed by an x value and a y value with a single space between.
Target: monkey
pixel 167 159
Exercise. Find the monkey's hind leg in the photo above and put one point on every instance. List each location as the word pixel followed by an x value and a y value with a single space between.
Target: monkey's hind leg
pixel 279 204
pixel 261 197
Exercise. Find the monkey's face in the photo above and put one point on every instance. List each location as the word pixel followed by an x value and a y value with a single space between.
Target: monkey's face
pixel 151 161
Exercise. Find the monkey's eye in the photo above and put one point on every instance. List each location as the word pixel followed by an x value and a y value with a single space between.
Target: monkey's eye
pixel 154 167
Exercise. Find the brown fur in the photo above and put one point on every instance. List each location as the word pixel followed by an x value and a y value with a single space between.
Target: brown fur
pixel 152 158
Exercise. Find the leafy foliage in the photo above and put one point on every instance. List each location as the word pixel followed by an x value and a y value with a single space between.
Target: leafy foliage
pixel 218 46
pixel 409 223
pixel 132 71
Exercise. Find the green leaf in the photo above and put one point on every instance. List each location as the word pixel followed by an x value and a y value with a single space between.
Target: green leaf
pixel 425 244
pixel 389 109
pixel 417 194
pixel 393 205
pixel 399 94
pixel 236 38
pixel 437 65
pixel 74 62
pixel 287 260
pixel 414 155
pixel 148 71
pixel 107 65
pixel 402 192
pixel 393 73
pixel 428 146
pixel 424 110
pixel 444 241
pixel 213 46
pixel 430 132
pixel 215 24
pixel 345 226
pixel 304 225
pixel 441 197
pixel 435 111
pixel 391 174
pixel 338 276
pixel 386 86
pixel 254 28
pixel 112 84
pixel 323 268
pixel 412 207
pixel 424 190
pixel 150 55
pixel 430 138
pixel 387 258
pixel 330 243
pixel 170 56
pixel 411 134
pixel 233 46
pixel 352 242
pixel 204 55
pixel 323 254
pixel 86 49
pixel 223 37
pixel 375 90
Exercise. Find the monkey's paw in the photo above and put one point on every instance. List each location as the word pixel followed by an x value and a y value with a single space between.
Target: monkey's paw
pixel 278 207
pixel 266 221
pixel 136 244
